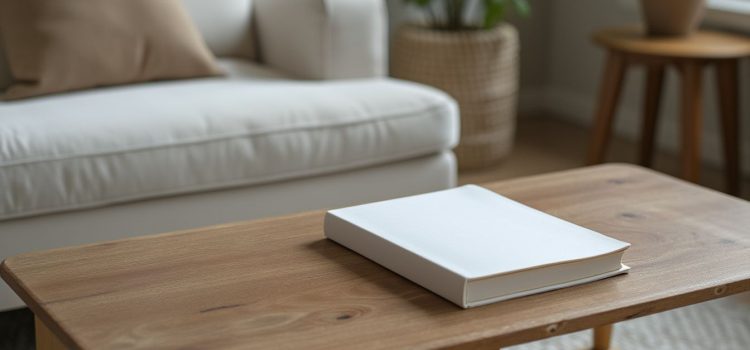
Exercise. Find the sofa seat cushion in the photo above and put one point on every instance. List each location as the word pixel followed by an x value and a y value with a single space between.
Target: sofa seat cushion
pixel 103 146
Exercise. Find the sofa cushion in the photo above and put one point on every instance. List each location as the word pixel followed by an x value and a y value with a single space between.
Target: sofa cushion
pixel 103 146
pixel 225 25
pixel 56 46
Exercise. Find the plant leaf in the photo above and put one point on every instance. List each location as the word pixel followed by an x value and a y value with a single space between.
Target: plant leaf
pixel 422 3
pixel 494 10
pixel 522 7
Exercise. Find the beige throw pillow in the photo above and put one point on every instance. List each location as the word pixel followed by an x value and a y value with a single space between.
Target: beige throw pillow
pixel 54 46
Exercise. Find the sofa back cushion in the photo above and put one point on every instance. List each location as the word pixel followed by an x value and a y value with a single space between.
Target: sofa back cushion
pixel 57 46
pixel 224 24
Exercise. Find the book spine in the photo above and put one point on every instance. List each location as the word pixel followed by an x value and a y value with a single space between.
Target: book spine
pixel 419 270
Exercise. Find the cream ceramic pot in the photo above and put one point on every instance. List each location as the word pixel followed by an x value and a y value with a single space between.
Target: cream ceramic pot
pixel 672 17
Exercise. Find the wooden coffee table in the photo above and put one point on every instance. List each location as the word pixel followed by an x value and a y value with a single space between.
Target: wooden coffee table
pixel 277 283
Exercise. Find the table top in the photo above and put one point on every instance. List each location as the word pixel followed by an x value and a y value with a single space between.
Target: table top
pixel 278 283
pixel 704 44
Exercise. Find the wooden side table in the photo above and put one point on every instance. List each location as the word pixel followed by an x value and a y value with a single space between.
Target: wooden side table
pixel 628 47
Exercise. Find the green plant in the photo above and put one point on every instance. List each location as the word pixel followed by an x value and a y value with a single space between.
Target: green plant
pixel 454 14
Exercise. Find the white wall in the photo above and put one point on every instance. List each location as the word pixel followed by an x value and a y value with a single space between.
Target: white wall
pixel 561 69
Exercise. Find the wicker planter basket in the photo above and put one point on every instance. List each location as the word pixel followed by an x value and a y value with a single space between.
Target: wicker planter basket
pixel 479 68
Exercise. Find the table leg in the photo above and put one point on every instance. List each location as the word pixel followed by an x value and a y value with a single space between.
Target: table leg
pixel 726 77
pixel 651 100
pixel 603 337
pixel 45 339
pixel 692 115
pixel 609 93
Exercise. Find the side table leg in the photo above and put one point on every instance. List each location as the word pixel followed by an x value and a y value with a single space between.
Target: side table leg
pixel 603 337
pixel 609 93
pixel 692 115
pixel 45 339
pixel 726 76
pixel 651 99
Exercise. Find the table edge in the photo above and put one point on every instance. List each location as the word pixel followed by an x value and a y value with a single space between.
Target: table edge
pixel 583 322
pixel 23 292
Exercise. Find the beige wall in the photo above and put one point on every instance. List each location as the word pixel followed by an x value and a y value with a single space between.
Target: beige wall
pixel 574 68
pixel 561 69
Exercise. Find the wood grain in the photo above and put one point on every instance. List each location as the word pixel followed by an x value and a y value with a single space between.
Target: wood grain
pixel 45 338
pixel 692 118
pixel 703 44
pixel 603 337
pixel 277 283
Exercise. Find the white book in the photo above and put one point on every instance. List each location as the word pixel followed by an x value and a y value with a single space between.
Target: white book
pixel 475 247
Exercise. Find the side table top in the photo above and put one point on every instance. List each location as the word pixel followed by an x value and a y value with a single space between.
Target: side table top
pixel 701 44
pixel 278 283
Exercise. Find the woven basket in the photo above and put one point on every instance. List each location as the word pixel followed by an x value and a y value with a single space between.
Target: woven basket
pixel 479 68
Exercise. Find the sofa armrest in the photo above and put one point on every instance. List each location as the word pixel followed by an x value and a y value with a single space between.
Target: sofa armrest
pixel 323 39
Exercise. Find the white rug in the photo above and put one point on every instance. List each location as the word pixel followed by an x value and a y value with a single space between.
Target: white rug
pixel 716 325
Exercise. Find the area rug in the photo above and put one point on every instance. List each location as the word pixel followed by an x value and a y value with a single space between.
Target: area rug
pixel 715 325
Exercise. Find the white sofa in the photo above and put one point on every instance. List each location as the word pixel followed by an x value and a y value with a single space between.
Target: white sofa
pixel 305 119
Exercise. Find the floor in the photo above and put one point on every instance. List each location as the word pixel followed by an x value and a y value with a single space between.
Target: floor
pixel 17 330
pixel 543 145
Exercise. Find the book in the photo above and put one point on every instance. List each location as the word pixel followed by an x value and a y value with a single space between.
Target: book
pixel 473 246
